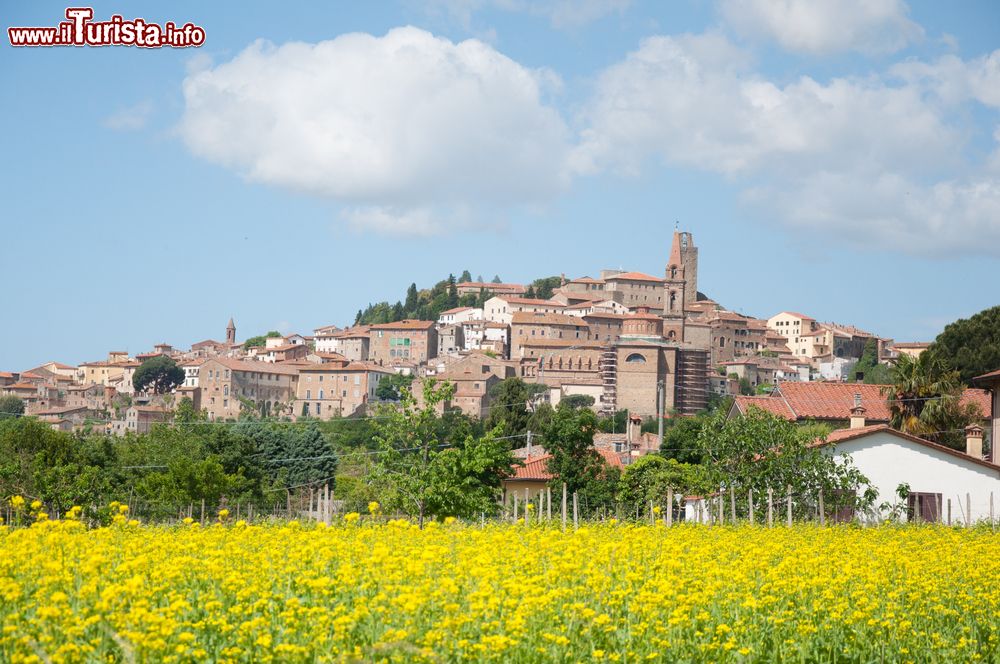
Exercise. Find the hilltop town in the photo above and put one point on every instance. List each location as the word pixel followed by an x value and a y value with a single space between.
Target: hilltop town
pixel 622 340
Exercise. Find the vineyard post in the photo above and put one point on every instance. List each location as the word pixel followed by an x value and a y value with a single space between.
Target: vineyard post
pixel 482 520
pixel 992 527
pixel 203 511
pixel 288 502
pixel 576 513
pixel 949 511
pixel 789 489
pixel 548 502
pixel 564 508
pixel 822 512
pixel 237 510
pixel 722 508
pixel 652 516
pixel 527 512
pixel 515 508
pixel 750 504
pixel 313 500
pixel 732 504
pixel 770 507
pixel 968 509
pixel 670 507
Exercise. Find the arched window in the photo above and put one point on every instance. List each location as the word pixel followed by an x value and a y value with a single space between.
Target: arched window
pixel 636 357
pixel 672 335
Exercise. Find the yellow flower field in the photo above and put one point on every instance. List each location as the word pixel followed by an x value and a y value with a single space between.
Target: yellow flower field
pixel 390 592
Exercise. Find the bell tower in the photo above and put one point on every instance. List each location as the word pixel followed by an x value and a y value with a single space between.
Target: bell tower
pixel 231 332
pixel 675 288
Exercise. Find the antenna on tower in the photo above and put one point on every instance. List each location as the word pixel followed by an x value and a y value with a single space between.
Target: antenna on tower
pixel 677 225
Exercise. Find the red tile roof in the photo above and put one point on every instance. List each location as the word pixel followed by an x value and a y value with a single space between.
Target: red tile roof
pixel 773 405
pixel 833 401
pixel 633 276
pixel 456 310
pixel 537 468
pixel 991 375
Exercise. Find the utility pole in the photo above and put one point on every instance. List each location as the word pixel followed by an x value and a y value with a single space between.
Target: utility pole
pixel 660 403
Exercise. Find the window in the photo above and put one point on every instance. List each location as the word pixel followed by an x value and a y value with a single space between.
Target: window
pixel 923 506
pixel 308 394
pixel 357 379
pixel 636 358
pixel 321 394
pixel 225 390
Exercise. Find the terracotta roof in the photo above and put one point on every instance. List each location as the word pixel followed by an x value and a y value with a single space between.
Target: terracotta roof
pixel 793 313
pixel 407 324
pixel 773 405
pixel 634 276
pixel 355 332
pixel 536 467
pixel 21 386
pixel 587 280
pixel 605 314
pixel 456 310
pixel 280 349
pixel 911 344
pixel 6 374
pixel 643 316
pixel 833 401
pixel 843 435
pixel 989 376
pixel 539 318
pixel 353 366
pixel 61 410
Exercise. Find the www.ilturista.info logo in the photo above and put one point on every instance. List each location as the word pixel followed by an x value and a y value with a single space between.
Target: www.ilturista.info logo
pixel 80 30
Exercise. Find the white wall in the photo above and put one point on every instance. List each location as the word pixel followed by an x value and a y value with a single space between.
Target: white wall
pixel 888 460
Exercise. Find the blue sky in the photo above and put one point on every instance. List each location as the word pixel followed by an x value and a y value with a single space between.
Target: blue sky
pixel 835 158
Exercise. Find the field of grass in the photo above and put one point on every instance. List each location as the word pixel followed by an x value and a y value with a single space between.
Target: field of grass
pixel 387 591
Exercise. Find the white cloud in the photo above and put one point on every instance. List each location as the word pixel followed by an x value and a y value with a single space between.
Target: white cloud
pixel 130 118
pixel 825 26
pixel 878 160
pixel 399 127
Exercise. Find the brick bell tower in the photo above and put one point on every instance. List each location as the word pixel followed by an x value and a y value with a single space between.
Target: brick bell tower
pixel 680 287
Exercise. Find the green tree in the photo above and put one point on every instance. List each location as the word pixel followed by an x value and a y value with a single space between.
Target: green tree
pixel 452 300
pixel 868 365
pixel 466 277
pixel 650 478
pixel 412 300
pixel 424 465
pixel 11 405
pixel 185 413
pixel 393 386
pixel 545 287
pixel 569 438
pixel 680 438
pixel 577 401
pixel 970 346
pixel 159 373
pixel 261 340
pixel 760 450
pixel 925 399
pixel 508 406
pixel 497 279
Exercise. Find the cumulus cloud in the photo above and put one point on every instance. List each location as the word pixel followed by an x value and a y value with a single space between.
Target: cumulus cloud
pixel 825 26
pixel 875 159
pixel 403 128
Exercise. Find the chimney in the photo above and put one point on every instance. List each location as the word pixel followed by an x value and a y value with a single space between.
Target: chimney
pixel 857 413
pixel 974 441
pixel 633 430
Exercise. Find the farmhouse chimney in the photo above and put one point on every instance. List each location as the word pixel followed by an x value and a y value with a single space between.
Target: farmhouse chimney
pixel 974 441
pixel 634 429
pixel 857 413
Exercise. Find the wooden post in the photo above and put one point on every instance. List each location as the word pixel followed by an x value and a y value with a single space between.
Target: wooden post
pixel 311 503
pixel 515 508
pixel 237 510
pixel 949 511
pixel 822 511
pixel 750 504
pixel 482 520
pixel 288 503
pixel 576 513
pixel 722 508
pixel 548 502
pixel 670 507
pixel 250 512
pixel 991 512
pixel 968 509
pixel 732 504
pixel 564 508
pixel 789 489
pixel 770 507
pixel 202 511
pixel 652 517
pixel 527 512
